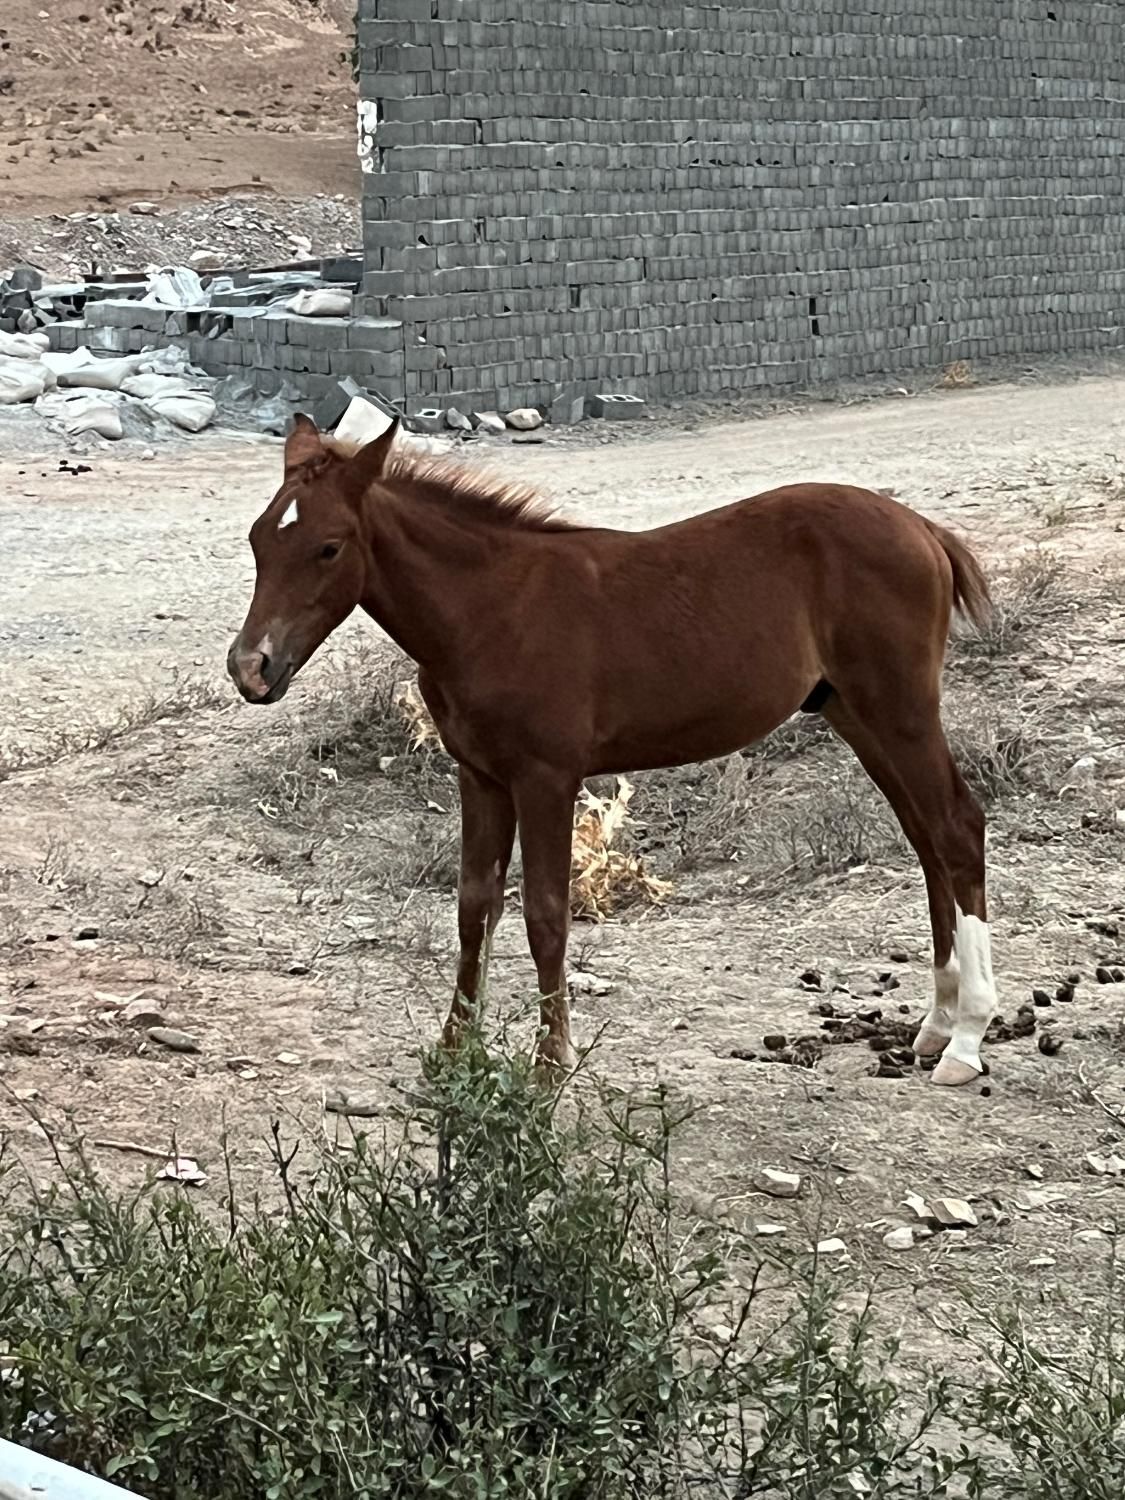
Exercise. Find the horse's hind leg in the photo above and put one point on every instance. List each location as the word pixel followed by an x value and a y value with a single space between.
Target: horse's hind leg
pixel 902 747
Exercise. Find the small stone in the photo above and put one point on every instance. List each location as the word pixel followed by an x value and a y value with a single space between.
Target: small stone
pixel 811 979
pixel 743 1054
pixel 778 1184
pixel 952 1213
pixel 1090 1236
pixel 900 1239
pixel 87 934
pixel 1049 1044
pixel 359 1106
pixel 899 956
pixel 871 1014
pixel 768 1230
pixel 1041 997
pixel 144 209
pixel 1034 1171
pixel 457 421
pixel 831 1247
pixel 681 1025
pixel 150 879
pixel 175 1041
pixel 917 1205
pixel 490 421
pixel 1118 975
pixel 1064 994
pixel 1042 1262
pixel 142 1012
pixel 289 1059
pixel 1074 977
pixel 889 982
pixel 525 419
pixel 1103 975
pixel 149 455
pixel 775 1042
pixel 581 982
pixel 297 970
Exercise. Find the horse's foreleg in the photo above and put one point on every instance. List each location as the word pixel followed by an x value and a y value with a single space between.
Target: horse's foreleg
pixel 545 808
pixel 488 830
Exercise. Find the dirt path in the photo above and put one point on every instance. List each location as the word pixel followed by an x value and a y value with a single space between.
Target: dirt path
pixel 259 879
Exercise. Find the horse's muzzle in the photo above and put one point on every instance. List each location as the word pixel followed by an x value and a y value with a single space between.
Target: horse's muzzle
pixel 260 676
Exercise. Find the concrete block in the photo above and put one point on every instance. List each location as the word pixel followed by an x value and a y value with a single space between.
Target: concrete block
pixel 616 406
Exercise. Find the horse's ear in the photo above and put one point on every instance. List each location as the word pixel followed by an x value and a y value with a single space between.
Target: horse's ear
pixel 370 463
pixel 303 443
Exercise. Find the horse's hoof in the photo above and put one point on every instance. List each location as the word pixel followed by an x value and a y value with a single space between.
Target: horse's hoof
pixel 954 1073
pixel 928 1042
pixel 555 1060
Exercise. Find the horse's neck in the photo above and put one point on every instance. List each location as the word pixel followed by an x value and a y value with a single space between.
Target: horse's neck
pixel 428 575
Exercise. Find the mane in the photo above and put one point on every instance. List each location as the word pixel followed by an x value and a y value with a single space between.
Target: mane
pixel 458 488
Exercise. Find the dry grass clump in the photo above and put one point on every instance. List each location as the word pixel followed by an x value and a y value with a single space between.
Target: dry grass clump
pixel 603 876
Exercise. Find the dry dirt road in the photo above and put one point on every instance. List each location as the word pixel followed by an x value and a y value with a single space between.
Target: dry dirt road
pixel 256 877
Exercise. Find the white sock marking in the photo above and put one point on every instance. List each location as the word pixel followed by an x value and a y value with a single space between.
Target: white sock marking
pixel 942 1015
pixel 977 999
pixel 290 517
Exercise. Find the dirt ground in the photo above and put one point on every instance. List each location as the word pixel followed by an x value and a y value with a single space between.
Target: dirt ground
pixel 259 879
pixel 235 122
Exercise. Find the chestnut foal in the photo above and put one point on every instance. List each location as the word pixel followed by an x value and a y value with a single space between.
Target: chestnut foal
pixel 548 652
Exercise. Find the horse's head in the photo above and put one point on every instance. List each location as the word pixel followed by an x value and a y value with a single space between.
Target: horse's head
pixel 311 559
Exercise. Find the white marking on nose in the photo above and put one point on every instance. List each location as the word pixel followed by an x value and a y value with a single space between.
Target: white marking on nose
pixel 290 517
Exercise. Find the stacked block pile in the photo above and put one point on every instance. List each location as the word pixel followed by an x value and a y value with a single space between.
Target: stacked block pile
pixel 665 198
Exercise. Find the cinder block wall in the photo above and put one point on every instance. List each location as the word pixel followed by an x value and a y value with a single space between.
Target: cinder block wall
pixel 671 198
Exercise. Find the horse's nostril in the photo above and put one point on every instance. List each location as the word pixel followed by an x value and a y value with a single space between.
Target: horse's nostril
pixel 264 667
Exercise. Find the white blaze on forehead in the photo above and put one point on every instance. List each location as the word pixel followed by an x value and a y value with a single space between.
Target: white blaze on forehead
pixel 290 517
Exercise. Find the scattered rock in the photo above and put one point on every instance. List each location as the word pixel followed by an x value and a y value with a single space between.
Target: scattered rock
pixel 831 1247
pixel 297 969
pixel 743 1054
pixel 680 1025
pixel 141 1012
pixel 1034 1171
pixel 490 421
pixel 917 1206
pixel 778 1184
pixel 1041 997
pixel 357 1106
pixel 289 1059
pixel 774 1043
pixel 1064 994
pixel 1105 975
pixel 899 956
pixel 1090 1236
pixel 175 1041
pixel 581 982
pixel 811 979
pixel 1049 1044
pixel 900 1239
pixel 768 1231
pixel 144 209
pixel 525 419
pixel 952 1213
pixel 86 934
pixel 457 421
pixel 1105 1166
pixel 183 1169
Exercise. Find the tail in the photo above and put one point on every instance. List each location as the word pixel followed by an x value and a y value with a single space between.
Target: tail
pixel 971 594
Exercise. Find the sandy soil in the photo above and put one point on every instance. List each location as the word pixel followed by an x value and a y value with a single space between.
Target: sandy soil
pixel 255 876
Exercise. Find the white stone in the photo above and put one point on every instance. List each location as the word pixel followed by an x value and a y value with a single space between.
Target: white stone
pixel 778 1184
pixel 525 419
pixel 900 1239
pixel 953 1213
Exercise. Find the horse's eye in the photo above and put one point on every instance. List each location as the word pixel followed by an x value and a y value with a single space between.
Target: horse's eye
pixel 329 551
